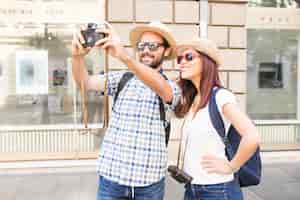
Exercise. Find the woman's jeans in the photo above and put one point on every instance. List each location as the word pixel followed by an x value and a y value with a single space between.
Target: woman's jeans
pixel 224 191
pixel 109 190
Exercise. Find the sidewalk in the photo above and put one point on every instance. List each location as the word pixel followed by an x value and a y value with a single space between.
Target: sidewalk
pixel 77 180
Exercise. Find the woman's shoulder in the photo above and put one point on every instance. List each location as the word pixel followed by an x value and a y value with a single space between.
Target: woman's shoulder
pixel 224 96
pixel 222 91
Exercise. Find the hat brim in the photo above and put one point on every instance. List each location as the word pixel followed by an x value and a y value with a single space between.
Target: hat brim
pixel 211 52
pixel 136 33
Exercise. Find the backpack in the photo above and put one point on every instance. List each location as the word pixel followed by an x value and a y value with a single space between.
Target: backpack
pixel 167 125
pixel 250 173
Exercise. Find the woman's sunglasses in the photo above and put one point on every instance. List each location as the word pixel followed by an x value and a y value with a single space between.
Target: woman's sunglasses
pixel 152 46
pixel 188 57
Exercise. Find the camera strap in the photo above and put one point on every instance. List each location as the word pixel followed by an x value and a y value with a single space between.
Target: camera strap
pixel 83 92
pixel 181 154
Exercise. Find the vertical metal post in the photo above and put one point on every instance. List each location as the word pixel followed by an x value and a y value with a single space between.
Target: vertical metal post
pixel 203 18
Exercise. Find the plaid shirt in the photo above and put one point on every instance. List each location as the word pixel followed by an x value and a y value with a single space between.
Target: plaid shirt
pixel 133 151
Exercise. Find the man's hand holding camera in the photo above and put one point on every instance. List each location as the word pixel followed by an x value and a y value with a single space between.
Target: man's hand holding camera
pixel 77 48
pixel 85 39
pixel 112 43
pixel 91 37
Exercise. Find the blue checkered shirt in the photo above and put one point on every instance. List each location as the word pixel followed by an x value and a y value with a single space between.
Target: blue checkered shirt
pixel 133 151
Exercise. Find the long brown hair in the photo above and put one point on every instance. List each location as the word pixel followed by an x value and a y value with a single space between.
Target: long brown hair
pixel 209 79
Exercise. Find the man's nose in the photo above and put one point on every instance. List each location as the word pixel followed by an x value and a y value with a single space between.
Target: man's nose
pixel 146 49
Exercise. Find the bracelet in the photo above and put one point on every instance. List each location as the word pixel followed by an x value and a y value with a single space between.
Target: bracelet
pixel 233 170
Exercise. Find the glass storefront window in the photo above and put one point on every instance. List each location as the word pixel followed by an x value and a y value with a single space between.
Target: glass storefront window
pixel 275 3
pixel 272 73
pixel 37 87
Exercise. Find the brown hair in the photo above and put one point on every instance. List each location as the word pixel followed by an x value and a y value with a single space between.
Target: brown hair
pixel 209 79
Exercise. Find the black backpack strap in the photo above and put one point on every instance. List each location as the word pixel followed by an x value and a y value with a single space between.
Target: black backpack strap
pixel 162 112
pixel 218 123
pixel 162 106
pixel 215 115
pixel 125 78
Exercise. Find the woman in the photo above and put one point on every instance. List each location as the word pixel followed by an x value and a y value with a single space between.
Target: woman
pixel 204 157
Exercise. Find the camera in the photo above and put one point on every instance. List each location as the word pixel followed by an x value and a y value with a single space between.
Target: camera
pixel 91 36
pixel 179 175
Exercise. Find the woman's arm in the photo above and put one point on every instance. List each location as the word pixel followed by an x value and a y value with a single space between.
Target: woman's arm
pixel 249 135
pixel 249 142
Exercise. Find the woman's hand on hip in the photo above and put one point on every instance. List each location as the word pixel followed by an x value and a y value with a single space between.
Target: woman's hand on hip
pixel 214 164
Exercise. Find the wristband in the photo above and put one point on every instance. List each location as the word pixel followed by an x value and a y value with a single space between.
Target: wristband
pixel 233 170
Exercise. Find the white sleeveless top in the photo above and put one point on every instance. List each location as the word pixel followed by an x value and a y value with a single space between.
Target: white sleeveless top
pixel 202 139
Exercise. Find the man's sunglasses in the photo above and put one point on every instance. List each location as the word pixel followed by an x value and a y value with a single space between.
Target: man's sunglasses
pixel 188 57
pixel 152 46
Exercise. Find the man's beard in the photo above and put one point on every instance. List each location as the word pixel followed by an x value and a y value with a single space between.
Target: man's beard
pixel 155 63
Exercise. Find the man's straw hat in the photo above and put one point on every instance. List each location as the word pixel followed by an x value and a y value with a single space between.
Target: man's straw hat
pixel 202 45
pixel 157 27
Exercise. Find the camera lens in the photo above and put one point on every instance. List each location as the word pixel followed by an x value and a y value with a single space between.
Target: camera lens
pixel 92 26
pixel 89 40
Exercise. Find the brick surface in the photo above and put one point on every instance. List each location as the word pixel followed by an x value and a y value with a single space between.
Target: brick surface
pixel 223 77
pixel 237 81
pixel 237 37
pixel 184 32
pixel 168 64
pixel 233 59
pixel 147 10
pixel 123 30
pixel 228 14
pixel 187 12
pixel 218 34
pixel 120 10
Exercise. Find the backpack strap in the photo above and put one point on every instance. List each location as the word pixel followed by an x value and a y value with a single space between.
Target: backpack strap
pixel 162 113
pixel 218 123
pixel 215 116
pixel 162 106
pixel 125 78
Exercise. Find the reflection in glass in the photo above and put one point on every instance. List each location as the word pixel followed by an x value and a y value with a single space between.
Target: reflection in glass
pixel 275 3
pixel 39 87
pixel 270 75
pixel 272 66
pixel 59 77
pixel 31 72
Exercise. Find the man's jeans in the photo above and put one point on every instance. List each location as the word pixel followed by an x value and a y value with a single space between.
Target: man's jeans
pixel 109 190
pixel 224 191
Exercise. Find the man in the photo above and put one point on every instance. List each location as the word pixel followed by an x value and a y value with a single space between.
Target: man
pixel 133 155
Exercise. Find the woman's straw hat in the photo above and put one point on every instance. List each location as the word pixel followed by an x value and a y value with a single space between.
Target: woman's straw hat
pixel 202 45
pixel 157 27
